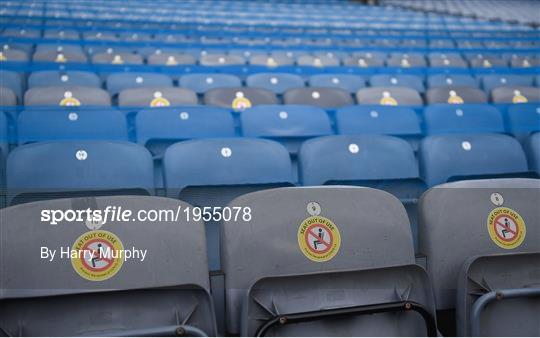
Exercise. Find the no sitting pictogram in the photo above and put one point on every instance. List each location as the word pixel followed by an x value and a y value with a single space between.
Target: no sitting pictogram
pixel 318 238
pixel 97 260
pixel 506 227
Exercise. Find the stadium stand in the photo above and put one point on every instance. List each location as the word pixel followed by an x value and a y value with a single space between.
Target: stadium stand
pixel 404 124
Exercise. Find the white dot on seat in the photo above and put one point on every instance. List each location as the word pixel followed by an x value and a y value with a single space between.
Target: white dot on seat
pixel 209 80
pixel 459 112
pixel 374 114
pixel 353 148
pixel 273 80
pixel 226 152
pixel 73 116
pixel 283 115
pixel 64 78
pixel 139 79
pixel 184 115
pixel 335 80
pixel 315 95
pixel 81 155
pixel 466 145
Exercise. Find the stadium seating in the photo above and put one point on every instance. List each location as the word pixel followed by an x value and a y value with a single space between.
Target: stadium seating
pixel 360 266
pixel 177 290
pixel 205 101
pixel 489 264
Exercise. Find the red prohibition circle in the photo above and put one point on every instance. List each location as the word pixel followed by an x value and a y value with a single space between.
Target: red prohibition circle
pixel 108 260
pixel 309 231
pixel 496 222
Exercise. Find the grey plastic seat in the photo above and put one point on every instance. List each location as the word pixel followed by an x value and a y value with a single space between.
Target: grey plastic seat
pixel 406 61
pixel 364 61
pixel 393 96
pixel 239 98
pixel 60 57
pixel 159 296
pixel 471 260
pixel 455 95
pixel 326 98
pixel 171 59
pixel 66 96
pixel 517 94
pixel 271 61
pixel 305 258
pixel 447 61
pixel 117 58
pixel 156 97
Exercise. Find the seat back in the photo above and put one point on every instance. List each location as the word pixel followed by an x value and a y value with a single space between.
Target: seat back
pixel 467 214
pixel 392 96
pixel 66 96
pixel 490 82
pixel 156 97
pixel 449 80
pixel 39 288
pixel 276 82
pixel 63 125
pixel 445 158
pixel 287 124
pixel 47 78
pixel 410 81
pixel 515 94
pixel 348 82
pixel 239 99
pixel 201 83
pixel 159 128
pixel 77 168
pixel 455 95
pixel 462 119
pixel 117 82
pixel 310 236
pixel 326 98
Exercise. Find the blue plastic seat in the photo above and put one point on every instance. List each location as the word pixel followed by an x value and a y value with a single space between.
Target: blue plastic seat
pixel 4 136
pixel 117 82
pixel 349 82
pixel 47 170
pixel 212 172
pixel 46 78
pixel 68 125
pixel 445 158
pixel 276 82
pixel 462 119
pixel 446 80
pixel 402 122
pixel 159 128
pixel 490 82
pixel 410 81
pixel 288 124
pixel 202 83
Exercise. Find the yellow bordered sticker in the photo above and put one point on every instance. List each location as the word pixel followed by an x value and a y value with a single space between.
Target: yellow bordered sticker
pixel 97 256
pixel 319 238
pixel 506 227
pixel 241 103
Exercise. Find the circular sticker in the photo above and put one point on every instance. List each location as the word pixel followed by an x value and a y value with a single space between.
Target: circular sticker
pixel 97 257
pixel 319 238
pixel 506 228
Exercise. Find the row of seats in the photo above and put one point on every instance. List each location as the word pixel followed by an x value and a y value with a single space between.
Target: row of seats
pixel 370 285
pixel 278 122
pixel 241 98
pixel 79 165
pixel 170 56
pixel 278 82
